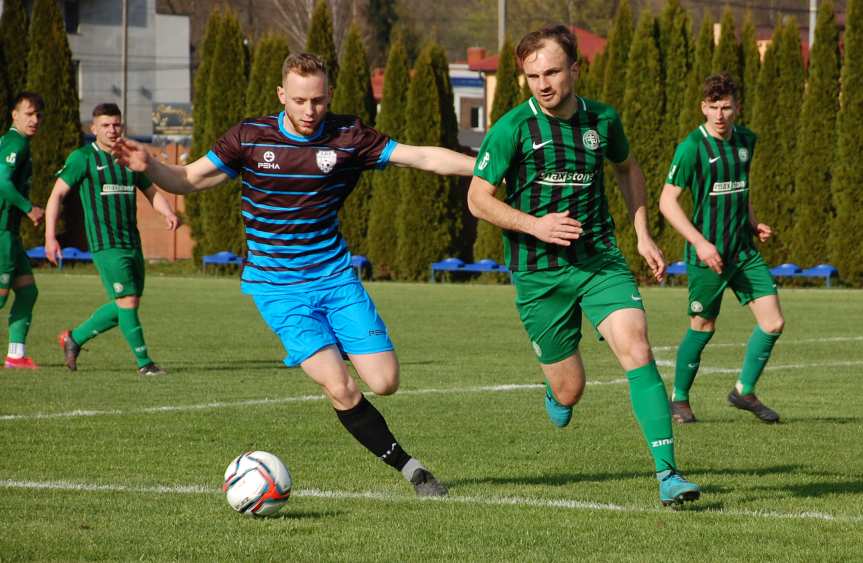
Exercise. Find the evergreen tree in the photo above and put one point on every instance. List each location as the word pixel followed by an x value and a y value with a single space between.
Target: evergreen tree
pixel 449 121
pixel 726 57
pixel 320 39
pixel 642 123
pixel 675 52
pixel 813 207
pixel 845 229
pixel 425 221
pixel 49 72
pixel 592 77
pixel 266 75
pixel 690 115
pixel 488 243
pixel 751 59
pixel 14 49
pixel 353 96
pixel 226 102
pixel 381 17
pixel 789 99
pixel 614 90
pixel 525 88
pixel 201 141
pixel 617 49
pixel 386 185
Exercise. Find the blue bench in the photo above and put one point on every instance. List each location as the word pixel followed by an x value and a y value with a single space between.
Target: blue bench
pixel 223 258
pixel 674 269
pixel 486 265
pixel 68 254
pixel 361 265
pixel 788 270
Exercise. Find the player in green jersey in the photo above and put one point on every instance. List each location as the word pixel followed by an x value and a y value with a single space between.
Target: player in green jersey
pixel 559 239
pixel 108 196
pixel 15 272
pixel 712 163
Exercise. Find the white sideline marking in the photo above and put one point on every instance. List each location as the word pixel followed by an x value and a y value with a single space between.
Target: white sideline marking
pixel 446 391
pixel 567 504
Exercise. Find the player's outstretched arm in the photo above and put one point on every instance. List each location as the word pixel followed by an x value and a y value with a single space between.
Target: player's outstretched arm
pixel 439 160
pixel 670 208
pixel 554 228
pixel 52 214
pixel 199 175
pixel 631 182
pixel 161 205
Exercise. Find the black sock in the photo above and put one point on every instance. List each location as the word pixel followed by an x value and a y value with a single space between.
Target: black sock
pixel 368 426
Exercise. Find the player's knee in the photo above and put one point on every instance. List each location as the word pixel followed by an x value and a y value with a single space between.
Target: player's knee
pixel 342 392
pixel 386 384
pixel 639 353
pixel 774 326
pixel 569 394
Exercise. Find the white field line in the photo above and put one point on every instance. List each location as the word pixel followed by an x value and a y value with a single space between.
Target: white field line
pixel 565 504
pixel 446 391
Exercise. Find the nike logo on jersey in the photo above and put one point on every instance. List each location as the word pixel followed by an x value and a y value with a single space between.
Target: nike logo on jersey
pixel 635 297
pixel 104 166
pixel 695 365
pixel 712 160
pixel 540 145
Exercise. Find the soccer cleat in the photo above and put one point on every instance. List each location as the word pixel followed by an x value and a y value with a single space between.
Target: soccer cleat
pixel 752 404
pixel 21 363
pixel 681 412
pixel 560 415
pixel 675 489
pixel 151 370
pixel 71 349
pixel 426 485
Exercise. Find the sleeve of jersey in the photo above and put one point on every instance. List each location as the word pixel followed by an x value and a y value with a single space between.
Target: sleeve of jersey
pixel 73 170
pixel 372 148
pixel 495 154
pixel 226 154
pixel 618 144
pixel 9 193
pixel 142 181
pixel 682 168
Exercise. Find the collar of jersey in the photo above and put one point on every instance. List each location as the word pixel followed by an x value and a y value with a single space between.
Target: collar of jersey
pixel 299 138
pixel 579 107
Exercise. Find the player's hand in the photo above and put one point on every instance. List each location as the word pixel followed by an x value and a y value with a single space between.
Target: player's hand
pixel 707 253
pixel 52 251
pixel 763 232
pixel 652 254
pixel 172 222
pixel 131 154
pixel 36 215
pixel 557 228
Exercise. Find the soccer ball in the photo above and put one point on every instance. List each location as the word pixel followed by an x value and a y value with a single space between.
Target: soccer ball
pixel 257 484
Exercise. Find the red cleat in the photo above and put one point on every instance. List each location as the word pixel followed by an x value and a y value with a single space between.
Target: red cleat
pixel 21 363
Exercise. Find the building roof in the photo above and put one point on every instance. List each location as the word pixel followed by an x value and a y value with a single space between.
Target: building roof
pixel 589 45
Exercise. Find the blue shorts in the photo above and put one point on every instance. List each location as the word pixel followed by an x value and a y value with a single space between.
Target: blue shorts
pixel 312 318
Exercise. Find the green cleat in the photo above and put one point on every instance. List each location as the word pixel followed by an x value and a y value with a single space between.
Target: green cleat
pixel 560 415
pixel 675 489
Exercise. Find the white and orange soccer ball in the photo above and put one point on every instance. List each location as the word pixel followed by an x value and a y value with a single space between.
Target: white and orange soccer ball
pixel 257 484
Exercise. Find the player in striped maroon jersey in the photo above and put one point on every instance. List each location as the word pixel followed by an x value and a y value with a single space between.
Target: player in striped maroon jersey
pixel 296 170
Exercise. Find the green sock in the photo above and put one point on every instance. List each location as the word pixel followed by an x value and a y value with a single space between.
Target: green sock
pixel 22 313
pixel 757 353
pixel 130 324
pixel 688 360
pixel 103 319
pixel 650 405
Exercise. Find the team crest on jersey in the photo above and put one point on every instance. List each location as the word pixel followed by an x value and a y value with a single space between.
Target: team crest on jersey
pixel 743 154
pixel 4 278
pixel 326 160
pixel 696 307
pixel 590 139
pixel 118 287
pixel 13 156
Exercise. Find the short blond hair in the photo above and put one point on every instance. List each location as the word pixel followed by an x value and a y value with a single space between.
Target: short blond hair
pixel 303 64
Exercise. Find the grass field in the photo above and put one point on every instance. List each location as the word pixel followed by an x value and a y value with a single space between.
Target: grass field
pixel 101 465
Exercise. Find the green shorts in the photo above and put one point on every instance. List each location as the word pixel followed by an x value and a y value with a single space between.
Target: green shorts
pixel 749 280
pixel 550 302
pixel 14 262
pixel 121 270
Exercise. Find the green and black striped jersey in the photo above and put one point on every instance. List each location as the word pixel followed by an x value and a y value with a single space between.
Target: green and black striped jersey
pixel 18 169
pixel 554 165
pixel 108 197
pixel 716 172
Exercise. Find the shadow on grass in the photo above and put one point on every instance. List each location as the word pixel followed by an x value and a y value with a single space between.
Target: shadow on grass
pixel 288 514
pixel 820 489
pixel 559 479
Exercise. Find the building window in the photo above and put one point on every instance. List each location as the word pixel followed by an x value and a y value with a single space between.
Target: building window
pixel 70 15
pixel 474 117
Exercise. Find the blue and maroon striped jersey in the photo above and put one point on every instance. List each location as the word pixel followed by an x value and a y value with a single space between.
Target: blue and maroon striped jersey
pixel 292 190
